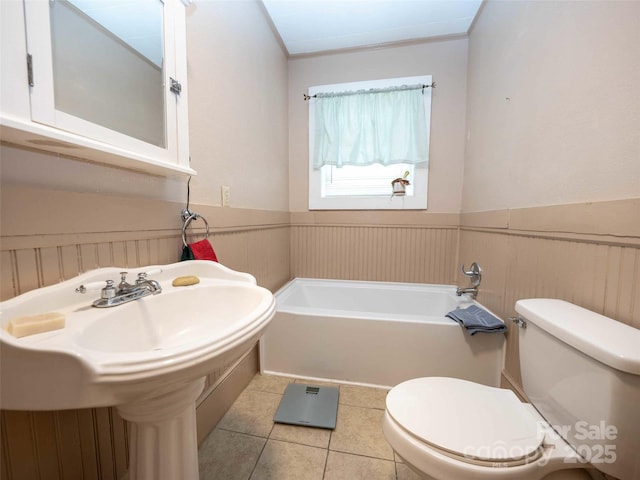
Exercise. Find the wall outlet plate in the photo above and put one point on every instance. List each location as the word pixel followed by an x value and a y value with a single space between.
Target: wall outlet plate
pixel 225 192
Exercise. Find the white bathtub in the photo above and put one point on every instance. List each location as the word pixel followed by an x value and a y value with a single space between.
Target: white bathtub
pixel 375 333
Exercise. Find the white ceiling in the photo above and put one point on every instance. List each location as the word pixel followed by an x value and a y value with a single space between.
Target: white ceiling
pixel 308 26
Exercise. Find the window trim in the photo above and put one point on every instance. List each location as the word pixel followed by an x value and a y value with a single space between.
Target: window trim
pixel 420 181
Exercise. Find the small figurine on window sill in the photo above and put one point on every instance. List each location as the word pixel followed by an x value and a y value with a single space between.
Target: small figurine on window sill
pixel 398 185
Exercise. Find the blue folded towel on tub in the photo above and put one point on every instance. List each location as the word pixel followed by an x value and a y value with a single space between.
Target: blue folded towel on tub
pixel 475 320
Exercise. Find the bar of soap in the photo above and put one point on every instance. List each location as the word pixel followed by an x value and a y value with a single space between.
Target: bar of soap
pixel 23 326
pixel 184 281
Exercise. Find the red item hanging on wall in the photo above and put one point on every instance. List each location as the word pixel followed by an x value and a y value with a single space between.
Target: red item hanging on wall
pixel 203 250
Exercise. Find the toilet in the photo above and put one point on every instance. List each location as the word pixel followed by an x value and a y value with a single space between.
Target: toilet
pixel 581 373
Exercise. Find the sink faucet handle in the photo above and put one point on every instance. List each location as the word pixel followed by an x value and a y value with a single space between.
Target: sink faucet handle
pixel 109 291
pixel 87 287
pixel 155 271
pixel 142 276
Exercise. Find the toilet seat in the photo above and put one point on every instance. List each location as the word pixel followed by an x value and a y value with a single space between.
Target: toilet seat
pixel 470 422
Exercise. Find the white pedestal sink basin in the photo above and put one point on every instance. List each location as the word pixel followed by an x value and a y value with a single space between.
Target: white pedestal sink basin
pixel 147 357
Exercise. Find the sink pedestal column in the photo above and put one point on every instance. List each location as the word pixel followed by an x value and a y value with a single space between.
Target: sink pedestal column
pixel 163 442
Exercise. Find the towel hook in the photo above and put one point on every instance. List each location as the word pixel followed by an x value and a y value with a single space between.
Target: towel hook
pixel 188 220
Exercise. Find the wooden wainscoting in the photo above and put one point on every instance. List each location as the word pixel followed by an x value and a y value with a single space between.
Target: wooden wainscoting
pixel 50 236
pixel 587 254
pixel 380 246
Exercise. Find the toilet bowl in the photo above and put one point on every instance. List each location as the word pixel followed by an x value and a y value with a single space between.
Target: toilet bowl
pixel 454 429
pixel 581 372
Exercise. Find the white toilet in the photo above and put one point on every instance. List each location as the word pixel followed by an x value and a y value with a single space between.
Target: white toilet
pixel 581 372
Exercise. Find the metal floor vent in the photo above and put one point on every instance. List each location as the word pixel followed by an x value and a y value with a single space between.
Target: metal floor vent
pixel 309 406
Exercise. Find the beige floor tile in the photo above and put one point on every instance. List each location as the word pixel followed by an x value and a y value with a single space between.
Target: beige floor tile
pixel 251 413
pixel 229 455
pixel 363 397
pixel 315 437
pixel 359 430
pixel 290 461
pixel 405 473
pixel 344 466
pixel 269 383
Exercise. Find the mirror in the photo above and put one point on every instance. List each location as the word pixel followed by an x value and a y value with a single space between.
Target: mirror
pixel 108 64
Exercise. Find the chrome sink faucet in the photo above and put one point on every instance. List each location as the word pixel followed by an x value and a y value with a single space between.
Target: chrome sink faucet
pixel 475 275
pixel 112 296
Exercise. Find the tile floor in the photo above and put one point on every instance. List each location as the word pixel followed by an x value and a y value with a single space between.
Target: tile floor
pixel 247 445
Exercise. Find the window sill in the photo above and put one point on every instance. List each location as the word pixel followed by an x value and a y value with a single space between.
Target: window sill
pixel 368 203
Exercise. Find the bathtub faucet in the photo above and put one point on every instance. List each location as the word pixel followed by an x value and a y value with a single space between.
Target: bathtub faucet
pixel 475 276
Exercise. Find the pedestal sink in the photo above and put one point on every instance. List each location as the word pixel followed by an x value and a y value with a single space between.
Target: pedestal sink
pixel 147 357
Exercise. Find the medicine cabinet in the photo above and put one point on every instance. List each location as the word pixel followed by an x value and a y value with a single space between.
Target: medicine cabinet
pixel 104 81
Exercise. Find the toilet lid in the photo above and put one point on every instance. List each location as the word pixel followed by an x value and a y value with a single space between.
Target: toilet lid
pixel 466 419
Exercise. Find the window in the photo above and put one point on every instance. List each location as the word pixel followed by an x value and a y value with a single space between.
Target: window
pixel 352 167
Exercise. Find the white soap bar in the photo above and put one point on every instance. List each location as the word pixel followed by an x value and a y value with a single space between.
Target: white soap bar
pixel 23 326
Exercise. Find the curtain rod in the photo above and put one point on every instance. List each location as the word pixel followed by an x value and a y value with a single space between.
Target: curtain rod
pixel 372 90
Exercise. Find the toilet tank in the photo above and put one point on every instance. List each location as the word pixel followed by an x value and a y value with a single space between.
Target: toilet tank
pixel 581 371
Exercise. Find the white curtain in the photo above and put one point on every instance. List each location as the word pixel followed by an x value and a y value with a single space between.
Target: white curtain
pixel 362 128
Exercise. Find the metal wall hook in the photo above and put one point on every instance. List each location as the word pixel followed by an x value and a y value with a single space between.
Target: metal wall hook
pixel 185 214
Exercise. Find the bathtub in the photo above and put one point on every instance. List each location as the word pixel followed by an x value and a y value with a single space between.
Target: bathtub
pixel 375 334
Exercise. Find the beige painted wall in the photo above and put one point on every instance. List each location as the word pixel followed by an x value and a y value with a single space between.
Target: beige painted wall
pixel 553 104
pixel 446 60
pixel 237 106
pixel 552 146
pixel 62 216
